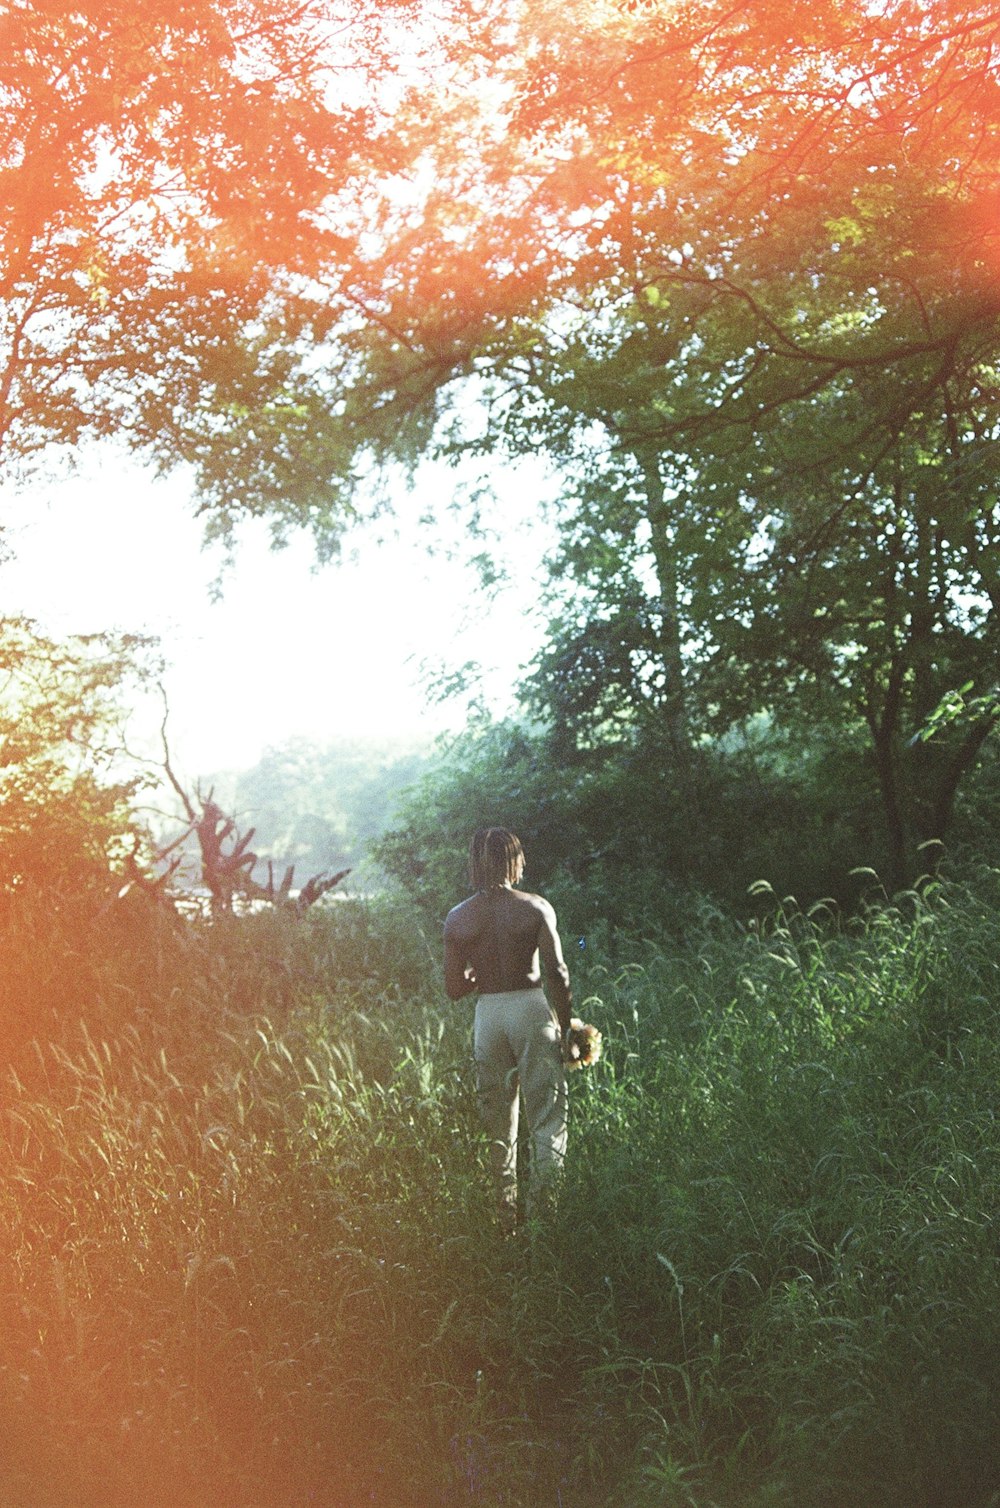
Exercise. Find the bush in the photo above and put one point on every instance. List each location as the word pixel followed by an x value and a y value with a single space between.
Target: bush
pixel 66 788
pixel 629 838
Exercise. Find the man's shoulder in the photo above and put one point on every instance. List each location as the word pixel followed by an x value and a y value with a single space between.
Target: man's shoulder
pixel 536 902
pixel 458 914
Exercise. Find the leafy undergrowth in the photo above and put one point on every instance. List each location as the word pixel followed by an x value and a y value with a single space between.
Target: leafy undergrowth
pixel 247 1258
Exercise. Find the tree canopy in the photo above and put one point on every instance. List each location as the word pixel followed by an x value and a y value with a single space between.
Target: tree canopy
pixel 168 177
pixel 741 280
pixel 735 271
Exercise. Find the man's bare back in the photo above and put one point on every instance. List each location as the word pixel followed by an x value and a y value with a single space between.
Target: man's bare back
pixel 498 940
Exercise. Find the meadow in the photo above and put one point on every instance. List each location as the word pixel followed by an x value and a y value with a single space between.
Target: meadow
pixel 246 1247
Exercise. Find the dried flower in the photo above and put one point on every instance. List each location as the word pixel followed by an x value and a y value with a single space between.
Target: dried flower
pixel 583 1044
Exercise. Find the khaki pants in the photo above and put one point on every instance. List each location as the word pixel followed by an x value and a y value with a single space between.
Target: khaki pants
pixel 517 1045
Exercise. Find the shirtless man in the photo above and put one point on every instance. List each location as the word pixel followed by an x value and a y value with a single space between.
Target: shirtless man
pixel 495 944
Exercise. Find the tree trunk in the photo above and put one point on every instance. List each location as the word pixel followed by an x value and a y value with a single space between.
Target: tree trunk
pixel 942 804
pixel 895 826
pixel 883 724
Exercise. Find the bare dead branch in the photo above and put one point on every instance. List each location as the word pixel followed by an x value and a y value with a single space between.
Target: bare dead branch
pixel 168 767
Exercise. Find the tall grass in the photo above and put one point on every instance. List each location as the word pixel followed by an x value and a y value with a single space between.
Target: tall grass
pixel 247 1254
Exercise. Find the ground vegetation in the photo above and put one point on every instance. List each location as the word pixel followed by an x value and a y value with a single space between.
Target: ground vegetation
pixel 248 1253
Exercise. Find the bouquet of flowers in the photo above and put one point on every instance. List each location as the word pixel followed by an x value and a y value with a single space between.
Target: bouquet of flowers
pixel 583 1044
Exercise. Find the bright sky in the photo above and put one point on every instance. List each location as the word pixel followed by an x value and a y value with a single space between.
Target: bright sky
pixel 290 650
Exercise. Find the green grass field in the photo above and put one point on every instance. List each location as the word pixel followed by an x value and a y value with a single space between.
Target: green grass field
pixel 247 1256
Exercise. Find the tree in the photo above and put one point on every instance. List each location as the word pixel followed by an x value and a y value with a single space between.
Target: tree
pixel 67 790
pixel 757 329
pixel 227 862
pixel 173 175
pixel 737 278
pixel 323 804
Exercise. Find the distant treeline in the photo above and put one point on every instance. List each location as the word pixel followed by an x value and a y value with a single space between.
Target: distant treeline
pixel 619 833
pixel 320 806
pixel 622 833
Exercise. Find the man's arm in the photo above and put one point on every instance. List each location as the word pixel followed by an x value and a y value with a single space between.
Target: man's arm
pixel 556 972
pixel 459 978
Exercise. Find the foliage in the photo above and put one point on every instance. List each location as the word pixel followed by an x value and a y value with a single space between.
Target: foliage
pixel 625 835
pixel 169 173
pixel 321 806
pixel 248 1256
pixel 493 775
pixel 67 789
pixel 755 332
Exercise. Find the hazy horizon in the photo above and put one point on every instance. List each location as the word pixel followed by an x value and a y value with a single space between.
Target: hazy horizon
pixel 270 648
